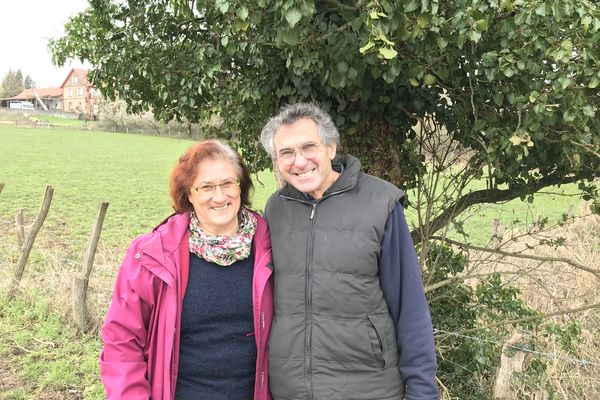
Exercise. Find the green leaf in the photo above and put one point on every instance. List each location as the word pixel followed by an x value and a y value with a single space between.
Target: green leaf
pixel 498 99
pixel 293 16
pixel 224 41
pixel 289 36
pixel 557 11
pixel 222 5
pixel 594 83
pixel 541 9
pixel 442 43
pixel 366 47
pixel 412 6
pixel 429 79
pixel 413 81
pixel 564 82
pixel 352 73
pixel 478 125
pixel 509 71
pixel 242 13
pixel 482 25
pixel 475 35
pixel 388 53
pixel 373 15
pixel 423 21
pixel 567 45
pixel 507 5
pixel 342 67
pixel 533 96
pixel 242 25
pixel 588 111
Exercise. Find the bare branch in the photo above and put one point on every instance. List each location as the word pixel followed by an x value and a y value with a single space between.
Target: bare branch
pixel 529 319
pixel 575 264
pixel 490 195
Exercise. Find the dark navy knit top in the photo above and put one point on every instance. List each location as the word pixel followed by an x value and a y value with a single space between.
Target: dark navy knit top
pixel 217 357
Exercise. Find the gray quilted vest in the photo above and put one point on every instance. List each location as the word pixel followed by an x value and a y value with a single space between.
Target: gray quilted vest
pixel 332 335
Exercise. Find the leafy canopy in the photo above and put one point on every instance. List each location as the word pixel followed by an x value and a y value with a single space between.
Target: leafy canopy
pixel 514 82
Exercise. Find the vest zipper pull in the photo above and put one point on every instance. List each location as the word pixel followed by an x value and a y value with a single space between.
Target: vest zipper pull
pixel 312 213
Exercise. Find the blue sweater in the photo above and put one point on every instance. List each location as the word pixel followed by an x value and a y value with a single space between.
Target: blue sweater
pixel 402 287
pixel 218 352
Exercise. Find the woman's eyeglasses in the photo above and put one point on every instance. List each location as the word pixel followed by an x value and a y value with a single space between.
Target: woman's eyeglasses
pixel 208 189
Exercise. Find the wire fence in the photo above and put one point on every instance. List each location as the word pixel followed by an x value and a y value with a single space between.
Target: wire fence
pixel 520 348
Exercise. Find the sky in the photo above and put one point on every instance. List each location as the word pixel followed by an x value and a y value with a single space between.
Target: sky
pixel 25 27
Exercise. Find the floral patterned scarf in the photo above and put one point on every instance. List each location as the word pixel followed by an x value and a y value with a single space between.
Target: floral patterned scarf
pixel 223 250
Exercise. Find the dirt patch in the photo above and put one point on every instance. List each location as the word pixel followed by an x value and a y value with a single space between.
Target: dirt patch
pixel 8 380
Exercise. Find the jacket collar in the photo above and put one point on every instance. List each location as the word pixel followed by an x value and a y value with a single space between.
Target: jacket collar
pixel 348 165
pixel 165 240
pixel 261 240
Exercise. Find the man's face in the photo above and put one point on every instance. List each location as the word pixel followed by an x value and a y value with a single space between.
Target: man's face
pixel 304 161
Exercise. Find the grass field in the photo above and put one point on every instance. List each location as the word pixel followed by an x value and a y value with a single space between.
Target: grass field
pixel 131 172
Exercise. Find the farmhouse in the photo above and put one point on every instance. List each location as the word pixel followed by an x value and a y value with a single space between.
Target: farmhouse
pixel 42 98
pixel 75 95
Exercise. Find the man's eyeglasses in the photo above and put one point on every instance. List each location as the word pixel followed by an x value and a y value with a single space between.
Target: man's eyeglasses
pixel 307 150
pixel 227 187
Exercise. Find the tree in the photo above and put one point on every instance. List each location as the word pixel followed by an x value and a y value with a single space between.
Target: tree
pixel 501 90
pixel 28 83
pixel 12 84
pixel 515 82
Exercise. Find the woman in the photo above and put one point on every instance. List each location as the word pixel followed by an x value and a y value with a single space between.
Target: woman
pixel 192 304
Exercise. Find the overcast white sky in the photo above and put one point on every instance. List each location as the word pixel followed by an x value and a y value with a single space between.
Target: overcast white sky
pixel 25 27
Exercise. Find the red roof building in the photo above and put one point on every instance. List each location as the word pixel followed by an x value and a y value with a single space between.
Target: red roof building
pixel 75 95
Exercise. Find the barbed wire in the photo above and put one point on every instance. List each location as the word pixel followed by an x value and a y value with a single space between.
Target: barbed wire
pixel 523 349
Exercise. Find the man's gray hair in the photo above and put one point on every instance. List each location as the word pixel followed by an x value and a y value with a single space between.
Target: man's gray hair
pixel 294 112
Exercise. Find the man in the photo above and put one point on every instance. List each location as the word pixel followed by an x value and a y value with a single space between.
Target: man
pixel 351 318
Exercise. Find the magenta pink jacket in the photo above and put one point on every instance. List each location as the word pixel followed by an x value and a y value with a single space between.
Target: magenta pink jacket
pixel 140 355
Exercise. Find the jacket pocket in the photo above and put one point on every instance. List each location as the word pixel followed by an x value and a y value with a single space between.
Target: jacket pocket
pixel 383 340
pixel 377 343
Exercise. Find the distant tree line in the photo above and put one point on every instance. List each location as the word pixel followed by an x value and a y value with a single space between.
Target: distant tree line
pixel 14 83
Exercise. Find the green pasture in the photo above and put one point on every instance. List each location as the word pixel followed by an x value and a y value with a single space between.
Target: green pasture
pixel 131 172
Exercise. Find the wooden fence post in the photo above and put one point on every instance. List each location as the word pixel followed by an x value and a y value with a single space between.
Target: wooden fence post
pixel 80 281
pixel 511 361
pixel 37 224
pixel 1 186
pixel 20 224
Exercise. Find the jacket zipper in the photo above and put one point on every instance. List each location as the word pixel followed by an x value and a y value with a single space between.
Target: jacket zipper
pixel 308 294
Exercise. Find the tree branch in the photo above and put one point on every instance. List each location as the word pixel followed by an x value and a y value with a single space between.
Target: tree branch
pixel 528 319
pixel 490 195
pixel 343 7
pixel 459 278
pixel 575 264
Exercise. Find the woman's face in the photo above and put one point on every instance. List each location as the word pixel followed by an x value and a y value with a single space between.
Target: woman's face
pixel 215 196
